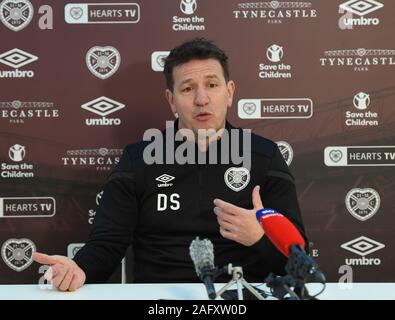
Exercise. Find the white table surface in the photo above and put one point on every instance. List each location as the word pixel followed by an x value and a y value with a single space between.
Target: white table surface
pixel 193 291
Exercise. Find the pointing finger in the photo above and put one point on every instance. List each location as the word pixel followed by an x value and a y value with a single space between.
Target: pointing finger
pixel 44 258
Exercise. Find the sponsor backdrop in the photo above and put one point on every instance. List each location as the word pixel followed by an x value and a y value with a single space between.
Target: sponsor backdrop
pixel 79 81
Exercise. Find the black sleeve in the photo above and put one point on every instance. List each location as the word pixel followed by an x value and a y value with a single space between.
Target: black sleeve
pixel 113 226
pixel 278 192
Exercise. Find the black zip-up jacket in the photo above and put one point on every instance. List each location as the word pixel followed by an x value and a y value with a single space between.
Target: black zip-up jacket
pixel 160 208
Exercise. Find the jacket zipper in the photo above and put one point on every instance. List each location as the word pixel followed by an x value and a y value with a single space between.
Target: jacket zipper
pixel 200 185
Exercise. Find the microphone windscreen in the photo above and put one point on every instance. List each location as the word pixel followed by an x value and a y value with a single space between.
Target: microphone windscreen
pixel 202 254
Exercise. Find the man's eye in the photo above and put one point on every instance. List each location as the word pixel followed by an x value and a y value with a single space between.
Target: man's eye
pixel 213 85
pixel 186 89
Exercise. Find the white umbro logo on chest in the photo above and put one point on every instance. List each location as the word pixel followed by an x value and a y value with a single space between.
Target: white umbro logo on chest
pixel 164 180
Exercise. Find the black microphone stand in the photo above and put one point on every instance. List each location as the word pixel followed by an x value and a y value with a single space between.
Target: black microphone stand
pixel 301 269
pixel 207 275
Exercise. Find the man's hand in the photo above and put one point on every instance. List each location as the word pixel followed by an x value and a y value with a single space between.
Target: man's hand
pixel 64 273
pixel 239 224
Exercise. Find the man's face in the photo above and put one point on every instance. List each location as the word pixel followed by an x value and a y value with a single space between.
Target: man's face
pixel 201 95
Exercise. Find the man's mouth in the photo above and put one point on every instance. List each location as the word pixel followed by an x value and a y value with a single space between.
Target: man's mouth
pixel 203 116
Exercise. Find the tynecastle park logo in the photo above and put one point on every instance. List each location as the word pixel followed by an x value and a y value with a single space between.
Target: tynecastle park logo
pixel 358 59
pixel 275 12
pixel 101 159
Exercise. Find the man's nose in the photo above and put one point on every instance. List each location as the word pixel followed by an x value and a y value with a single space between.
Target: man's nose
pixel 201 97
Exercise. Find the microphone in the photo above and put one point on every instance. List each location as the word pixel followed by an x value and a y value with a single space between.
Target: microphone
pixel 288 240
pixel 202 254
pixel 280 231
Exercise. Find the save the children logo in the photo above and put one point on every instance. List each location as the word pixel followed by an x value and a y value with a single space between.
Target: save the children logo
pixel 276 69
pixel 188 21
pixel 17 168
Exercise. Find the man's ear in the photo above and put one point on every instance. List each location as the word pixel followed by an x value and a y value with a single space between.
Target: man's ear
pixel 230 87
pixel 170 99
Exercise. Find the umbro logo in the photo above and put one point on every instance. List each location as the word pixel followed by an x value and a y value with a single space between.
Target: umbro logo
pixel 361 7
pixel 103 106
pixel 362 246
pixel 17 58
pixel 165 179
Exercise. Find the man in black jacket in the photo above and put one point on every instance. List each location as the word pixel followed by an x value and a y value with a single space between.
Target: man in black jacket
pixel 159 207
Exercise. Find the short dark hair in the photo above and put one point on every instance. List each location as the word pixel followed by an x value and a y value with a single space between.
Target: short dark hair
pixel 197 48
